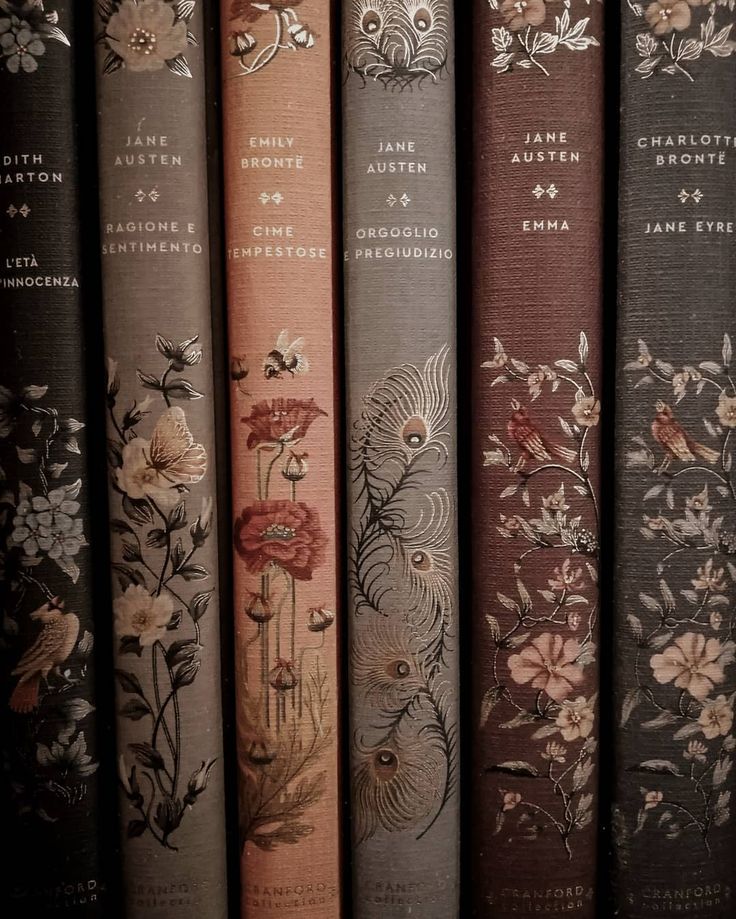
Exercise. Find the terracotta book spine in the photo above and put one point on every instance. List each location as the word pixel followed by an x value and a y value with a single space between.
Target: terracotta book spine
pixel 536 359
pixel 285 419
pixel 675 527
pixel 162 454
pixel 401 364
pixel 49 591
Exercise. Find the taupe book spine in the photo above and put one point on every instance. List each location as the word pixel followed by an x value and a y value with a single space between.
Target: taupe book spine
pixel 675 527
pixel 399 262
pixel 161 445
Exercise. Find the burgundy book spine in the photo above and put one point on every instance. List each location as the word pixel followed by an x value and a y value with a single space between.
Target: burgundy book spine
pixel 536 361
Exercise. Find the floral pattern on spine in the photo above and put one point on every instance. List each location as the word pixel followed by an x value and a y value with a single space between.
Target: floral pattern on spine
pixel 678 32
pixel 685 634
pixel 262 30
pixel 25 28
pixel 42 541
pixel 531 30
pixel 398 42
pixel 159 587
pixel 283 720
pixel 402 582
pixel 146 35
pixel 543 636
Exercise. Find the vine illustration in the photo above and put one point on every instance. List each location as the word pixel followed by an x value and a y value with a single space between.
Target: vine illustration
pixel 680 32
pixel 543 639
pixel 521 42
pixel 685 647
pixel 398 42
pixel 402 579
pixel 283 713
pixel 288 32
pixel 155 562
pixel 42 536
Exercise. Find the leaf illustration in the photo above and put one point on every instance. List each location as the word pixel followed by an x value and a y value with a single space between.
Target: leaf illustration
pixel 135 828
pixel 658 766
pixel 183 650
pixel 193 572
pixel 515 767
pixel 662 720
pixel 129 682
pixel 147 755
pixel 186 674
pixel 491 698
pixel 198 605
pixel 137 509
pixel 721 771
pixel 135 709
pixel 120 526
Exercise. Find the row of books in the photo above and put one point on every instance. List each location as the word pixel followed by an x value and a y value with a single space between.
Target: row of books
pixel 270 425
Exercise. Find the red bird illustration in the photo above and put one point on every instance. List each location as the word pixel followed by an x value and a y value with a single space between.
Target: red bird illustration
pixel 53 645
pixel 532 443
pixel 677 444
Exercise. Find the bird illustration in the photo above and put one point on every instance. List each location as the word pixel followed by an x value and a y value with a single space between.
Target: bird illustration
pixel 53 645
pixel 532 443
pixel 677 444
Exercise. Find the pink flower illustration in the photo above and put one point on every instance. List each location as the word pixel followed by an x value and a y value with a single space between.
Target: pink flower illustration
pixel 692 663
pixel 549 663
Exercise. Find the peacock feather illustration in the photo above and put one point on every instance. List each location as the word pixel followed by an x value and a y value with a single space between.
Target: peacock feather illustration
pixel 402 570
pixel 398 42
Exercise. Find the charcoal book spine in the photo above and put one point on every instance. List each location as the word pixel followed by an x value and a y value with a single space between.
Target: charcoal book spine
pixel 401 366
pixel 52 782
pixel 675 526
pixel 535 417
pixel 159 385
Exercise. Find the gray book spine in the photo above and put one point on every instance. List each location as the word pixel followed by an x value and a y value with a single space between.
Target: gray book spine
pixel 161 438
pixel 399 238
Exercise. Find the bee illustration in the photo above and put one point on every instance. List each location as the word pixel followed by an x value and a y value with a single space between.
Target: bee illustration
pixel 286 357
pixel 398 42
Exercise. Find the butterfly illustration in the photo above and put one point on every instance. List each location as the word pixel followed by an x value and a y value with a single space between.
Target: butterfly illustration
pixel 286 357
pixel 162 467
pixel 398 41
pixel 174 455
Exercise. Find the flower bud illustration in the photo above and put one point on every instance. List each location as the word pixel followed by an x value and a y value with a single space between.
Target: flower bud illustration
pixel 295 468
pixel 319 619
pixel 282 677
pixel 259 609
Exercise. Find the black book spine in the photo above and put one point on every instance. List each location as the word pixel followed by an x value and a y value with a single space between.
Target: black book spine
pixel 50 775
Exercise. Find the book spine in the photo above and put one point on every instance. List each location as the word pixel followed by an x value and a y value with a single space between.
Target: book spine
pixel 285 420
pixel 162 454
pixel 536 361
pixel 49 592
pixel 675 526
pixel 399 260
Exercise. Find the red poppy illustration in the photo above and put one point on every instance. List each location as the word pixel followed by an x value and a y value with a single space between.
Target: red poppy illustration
pixel 284 421
pixel 287 533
